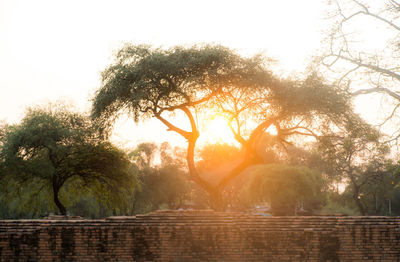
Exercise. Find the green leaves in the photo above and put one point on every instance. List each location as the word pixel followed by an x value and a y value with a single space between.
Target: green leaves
pixel 160 186
pixel 59 147
pixel 285 187
pixel 145 81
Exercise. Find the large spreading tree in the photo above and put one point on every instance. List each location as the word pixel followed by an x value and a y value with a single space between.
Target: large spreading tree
pixel 55 147
pixel 148 82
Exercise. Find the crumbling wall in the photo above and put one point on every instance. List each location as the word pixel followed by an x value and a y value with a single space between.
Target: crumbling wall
pixel 202 236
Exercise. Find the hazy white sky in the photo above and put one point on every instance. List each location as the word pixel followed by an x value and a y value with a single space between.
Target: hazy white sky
pixel 54 50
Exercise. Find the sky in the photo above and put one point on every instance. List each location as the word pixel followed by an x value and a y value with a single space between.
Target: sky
pixel 53 50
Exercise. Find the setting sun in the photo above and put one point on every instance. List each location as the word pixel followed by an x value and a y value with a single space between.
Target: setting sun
pixel 199 130
pixel 216 129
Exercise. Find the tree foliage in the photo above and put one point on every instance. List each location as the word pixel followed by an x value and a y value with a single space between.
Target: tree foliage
pixel 164 185
pixel 376 188
pixel 149 82
pixel 355 156
pixel 379 187
pixel 287 188
pixel 60 149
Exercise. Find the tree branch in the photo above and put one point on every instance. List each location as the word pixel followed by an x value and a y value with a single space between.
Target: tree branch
pixel 237 134
pixel 391 115
pixel 376 90
pixel 368 13
pixel 369 66
pixel 187 104
pixel 171 127
pixel 192 139
pixel 193 126
pixel 250 156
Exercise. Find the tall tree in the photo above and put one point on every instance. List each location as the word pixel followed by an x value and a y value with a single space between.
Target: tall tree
pixel 150 82
pixel 351 153
pixel 57 147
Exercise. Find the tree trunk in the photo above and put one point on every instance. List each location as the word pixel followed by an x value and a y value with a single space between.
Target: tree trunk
pixel 215 191
pixel 358 203
pixel 356 194
pixel 216 201
pixel 61 207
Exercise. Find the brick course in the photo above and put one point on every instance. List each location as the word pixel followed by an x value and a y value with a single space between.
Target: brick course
pixel 202 236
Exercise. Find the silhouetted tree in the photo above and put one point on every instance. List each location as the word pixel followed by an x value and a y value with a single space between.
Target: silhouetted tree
pixel 150 82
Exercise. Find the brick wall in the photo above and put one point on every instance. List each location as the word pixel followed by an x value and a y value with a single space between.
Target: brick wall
pixel 202 236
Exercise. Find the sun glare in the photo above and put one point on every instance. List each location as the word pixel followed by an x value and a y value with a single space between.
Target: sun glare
pixel 216 130
pixel 272 130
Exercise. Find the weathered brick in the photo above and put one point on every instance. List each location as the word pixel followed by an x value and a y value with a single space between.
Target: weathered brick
pixel 201 236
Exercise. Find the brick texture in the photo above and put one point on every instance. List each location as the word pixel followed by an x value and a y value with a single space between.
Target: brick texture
pixel 202 236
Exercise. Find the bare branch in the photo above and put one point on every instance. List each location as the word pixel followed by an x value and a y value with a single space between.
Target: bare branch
pixel 237 134
pixel 348 73
pixel 369 66
pixel 390 116
pixel 377 90
pixel 395 4
pixel 368 13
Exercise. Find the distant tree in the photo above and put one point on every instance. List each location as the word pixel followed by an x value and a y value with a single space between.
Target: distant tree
pixel 143 155
pixel 378 185
pixel 61 150
pixel 162 186
pixel 148 82
pixel 3 130
pixel 165 184
pixel 354 155
pixel 289 189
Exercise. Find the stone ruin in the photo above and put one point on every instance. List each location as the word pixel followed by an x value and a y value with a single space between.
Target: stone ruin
pixel 202 236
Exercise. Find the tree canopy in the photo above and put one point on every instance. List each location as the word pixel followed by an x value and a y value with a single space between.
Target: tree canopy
pixel 57 147
pixel 148 82
pixel 355 155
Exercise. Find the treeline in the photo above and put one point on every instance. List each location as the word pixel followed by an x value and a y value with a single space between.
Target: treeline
pixel 56 162
pixel 301 148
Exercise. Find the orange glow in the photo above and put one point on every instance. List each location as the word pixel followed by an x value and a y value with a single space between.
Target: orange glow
pixel 216 130
pixel 272 130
